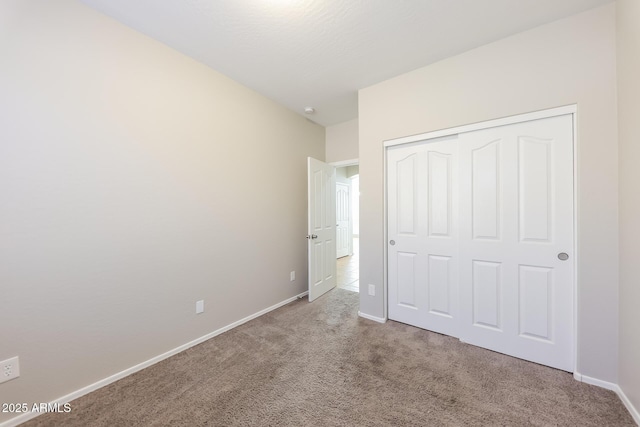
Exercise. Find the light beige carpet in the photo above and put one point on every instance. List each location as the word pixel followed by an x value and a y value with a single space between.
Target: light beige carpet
pixel 319 364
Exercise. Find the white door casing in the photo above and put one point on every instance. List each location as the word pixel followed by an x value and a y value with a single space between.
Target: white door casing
pixel 515 195
pixel 343 220
pixel 321 207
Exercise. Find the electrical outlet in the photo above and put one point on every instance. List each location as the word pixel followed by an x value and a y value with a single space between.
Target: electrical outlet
pixel 200 306
pixel 372 290
pixel 292 276
pixel 10 369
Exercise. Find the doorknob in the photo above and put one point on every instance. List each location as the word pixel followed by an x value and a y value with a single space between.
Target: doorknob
pixel 313 236
pixel 392 242
pixel 563 256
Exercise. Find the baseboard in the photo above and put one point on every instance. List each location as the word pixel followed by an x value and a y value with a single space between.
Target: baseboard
pixel 370 317
pixel 632 409
pixel 115 377
pixel 635 414
pixel 594 381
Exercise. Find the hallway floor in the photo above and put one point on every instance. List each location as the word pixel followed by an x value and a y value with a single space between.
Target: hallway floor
pixel 348 269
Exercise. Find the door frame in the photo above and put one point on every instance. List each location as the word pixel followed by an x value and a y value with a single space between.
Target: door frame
pixel 350 222
pixel 341 164
pixel 519 118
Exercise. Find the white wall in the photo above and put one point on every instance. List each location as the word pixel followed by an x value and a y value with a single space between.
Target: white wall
pixel 629 129
pixel 566 62
pixel 341 175
pixel 352 170
pixel 117 209
pixel 342 141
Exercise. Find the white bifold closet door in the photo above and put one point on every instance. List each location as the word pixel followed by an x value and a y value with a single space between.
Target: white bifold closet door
pixel 481 238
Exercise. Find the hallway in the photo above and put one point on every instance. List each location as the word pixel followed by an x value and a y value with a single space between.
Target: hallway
pixel 347 271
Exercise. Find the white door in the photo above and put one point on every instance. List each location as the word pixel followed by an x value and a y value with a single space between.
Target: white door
pixel 516 192
pixel 322 227
pixel 422 233
pixel 480 229
pixel 343 219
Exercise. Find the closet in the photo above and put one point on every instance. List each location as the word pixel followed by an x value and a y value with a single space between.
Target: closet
pixel 480 229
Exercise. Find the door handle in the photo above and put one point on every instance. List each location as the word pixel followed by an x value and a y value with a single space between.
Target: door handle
pixel 312 236
pixel 563 256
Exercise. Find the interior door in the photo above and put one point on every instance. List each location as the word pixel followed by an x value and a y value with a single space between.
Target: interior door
pixel 343 220
pixel 321 227
pixel 422 233
pixel 516 240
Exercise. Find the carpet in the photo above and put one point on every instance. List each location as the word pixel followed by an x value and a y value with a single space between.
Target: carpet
pixel 319 364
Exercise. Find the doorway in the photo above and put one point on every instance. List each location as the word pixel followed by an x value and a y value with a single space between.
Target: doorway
pixel 347 227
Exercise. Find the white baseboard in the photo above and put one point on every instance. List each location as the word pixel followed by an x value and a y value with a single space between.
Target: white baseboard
pixel 611 386
pixel 370 317
pixel 115 377
pixel 632 409
pixel 594 381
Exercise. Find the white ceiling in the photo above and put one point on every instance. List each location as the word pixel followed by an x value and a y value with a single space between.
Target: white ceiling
pixel 320 52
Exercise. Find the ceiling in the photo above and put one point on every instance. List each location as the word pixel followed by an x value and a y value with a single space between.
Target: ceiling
pixel 320 52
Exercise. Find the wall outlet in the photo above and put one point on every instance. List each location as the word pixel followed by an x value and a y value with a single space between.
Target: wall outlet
pixel 9 369
pixel 200 306
pixel 292 276
pixel 372 290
